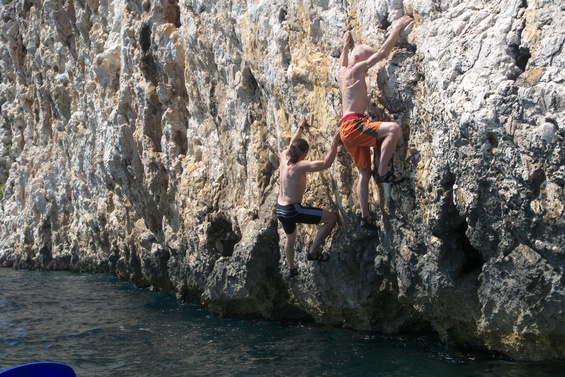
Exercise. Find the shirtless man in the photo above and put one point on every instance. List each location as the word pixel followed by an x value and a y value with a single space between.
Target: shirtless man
pixel 293 169
pixel 357 133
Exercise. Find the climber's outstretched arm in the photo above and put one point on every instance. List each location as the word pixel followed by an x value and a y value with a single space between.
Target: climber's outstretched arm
pixel 386 48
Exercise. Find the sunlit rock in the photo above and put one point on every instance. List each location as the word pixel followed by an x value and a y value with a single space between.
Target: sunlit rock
pixel 143 138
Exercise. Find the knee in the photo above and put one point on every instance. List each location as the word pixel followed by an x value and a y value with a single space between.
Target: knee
pixel 395 129
pixel 291 239
pixel 364 176
pixel 329 218
pixel 333 218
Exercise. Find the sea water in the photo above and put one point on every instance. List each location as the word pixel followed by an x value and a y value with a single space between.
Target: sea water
pixel 101 326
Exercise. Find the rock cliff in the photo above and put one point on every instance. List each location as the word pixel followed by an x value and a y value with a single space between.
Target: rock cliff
pixel 142 138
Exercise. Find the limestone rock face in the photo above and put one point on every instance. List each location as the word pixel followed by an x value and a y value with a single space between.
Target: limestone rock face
pixel 143 137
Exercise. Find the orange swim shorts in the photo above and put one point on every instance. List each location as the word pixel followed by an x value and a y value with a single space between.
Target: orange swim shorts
pixel 359 135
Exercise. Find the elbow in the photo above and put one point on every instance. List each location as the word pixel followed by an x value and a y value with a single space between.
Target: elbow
pixel 328 164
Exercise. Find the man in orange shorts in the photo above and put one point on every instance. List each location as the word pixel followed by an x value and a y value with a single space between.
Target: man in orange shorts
pixel 357 133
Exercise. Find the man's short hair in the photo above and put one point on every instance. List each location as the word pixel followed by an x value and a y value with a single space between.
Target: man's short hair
pixel 297 148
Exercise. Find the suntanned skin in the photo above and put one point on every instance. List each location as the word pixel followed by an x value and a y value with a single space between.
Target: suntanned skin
pixel 353 90
pixel 352 77
pixel 293 185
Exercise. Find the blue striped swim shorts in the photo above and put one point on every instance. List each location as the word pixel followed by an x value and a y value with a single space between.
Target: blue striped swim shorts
pixel 291 214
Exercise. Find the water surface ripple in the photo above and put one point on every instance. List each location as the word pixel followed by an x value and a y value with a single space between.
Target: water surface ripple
pixel 101 326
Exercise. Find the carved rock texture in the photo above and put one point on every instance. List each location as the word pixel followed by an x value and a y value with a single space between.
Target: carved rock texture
pixel 142 138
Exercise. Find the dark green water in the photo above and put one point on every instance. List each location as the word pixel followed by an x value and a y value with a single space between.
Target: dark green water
pixel 103 327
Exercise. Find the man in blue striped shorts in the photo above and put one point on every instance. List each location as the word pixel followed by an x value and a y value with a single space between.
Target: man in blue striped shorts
pixel 293 168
